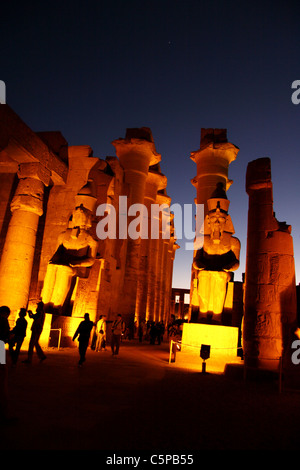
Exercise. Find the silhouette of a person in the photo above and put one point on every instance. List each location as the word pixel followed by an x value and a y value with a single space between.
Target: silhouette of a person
pixel 18 335
pixel 118 328
pixel 4 338
pixel 36 330
pixel 84 331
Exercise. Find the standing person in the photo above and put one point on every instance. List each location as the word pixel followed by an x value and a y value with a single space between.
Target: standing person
pixel 153 332
pixel 141 330
pixel 4 338
pixel 36 330
pixel 101 333
pixel 118 328
pixel 19 333
pixel 84 331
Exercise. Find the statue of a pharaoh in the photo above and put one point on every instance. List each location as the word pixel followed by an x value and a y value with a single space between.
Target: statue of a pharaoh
pixel 75 253
pixel 217 258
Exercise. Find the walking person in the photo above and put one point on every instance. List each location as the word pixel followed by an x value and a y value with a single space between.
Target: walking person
pixel 101 334
pixel 84 331
pixel 36 330
pixel 118 328
pixel 18 335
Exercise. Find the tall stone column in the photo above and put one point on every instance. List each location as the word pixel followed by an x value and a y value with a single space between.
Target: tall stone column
pixel 270 290
pixel 163 244
pixel 18 252
pixel 169 276
pixel 152 282
pixel 212 160
pixel 155 181
pixel 136 153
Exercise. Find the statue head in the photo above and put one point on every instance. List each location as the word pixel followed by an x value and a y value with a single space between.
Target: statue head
pixel 85 203
pixel 218 220
pixel 81 218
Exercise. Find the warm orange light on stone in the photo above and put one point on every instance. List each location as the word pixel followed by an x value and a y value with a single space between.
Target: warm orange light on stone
pixel 18 252
pixel 75 254
pixel 136 153
pixel 223 342
pixel 220 253
pixel 52 216
pixel 270 291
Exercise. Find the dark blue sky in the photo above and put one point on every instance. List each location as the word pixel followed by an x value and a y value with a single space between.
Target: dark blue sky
pixel 93 68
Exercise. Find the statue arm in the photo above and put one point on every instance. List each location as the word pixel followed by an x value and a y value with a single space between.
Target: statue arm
pixel 235 250
pixel 60 239
pixel 90 259
pixel 199 261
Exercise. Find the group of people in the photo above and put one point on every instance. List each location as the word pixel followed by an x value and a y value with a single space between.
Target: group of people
pixel 84 331
pixel 150 330
pixel 15 337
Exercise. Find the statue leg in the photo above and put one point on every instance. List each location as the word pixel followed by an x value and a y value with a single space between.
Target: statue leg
pixel 204 289
pixel 49 283
pixel 220 280
pixel 64 275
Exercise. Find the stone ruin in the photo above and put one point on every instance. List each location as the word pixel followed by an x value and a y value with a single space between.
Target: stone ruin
pixel 49 192
pixel 264 307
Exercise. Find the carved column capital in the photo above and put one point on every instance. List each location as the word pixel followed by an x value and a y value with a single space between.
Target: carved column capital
pixel 30 191
pixel 36 171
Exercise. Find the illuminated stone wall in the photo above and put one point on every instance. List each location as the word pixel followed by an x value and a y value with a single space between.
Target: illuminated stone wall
pixel 41 176
pixel 270 289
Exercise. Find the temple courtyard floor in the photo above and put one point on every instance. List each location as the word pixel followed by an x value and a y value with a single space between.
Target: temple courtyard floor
pixel 138 401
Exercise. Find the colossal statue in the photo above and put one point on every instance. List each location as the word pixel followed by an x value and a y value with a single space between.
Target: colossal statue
pixel 218 256
pixel 76 251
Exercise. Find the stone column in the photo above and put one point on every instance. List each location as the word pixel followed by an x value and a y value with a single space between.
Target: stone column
pixel 270 289
pixel 18 252
pixel 212 160
pixel 136 153
pixel 163 244
pixel 155 181
pixel 152 280
pixel 169 277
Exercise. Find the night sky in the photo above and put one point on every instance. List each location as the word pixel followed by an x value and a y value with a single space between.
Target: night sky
pixel 91 69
